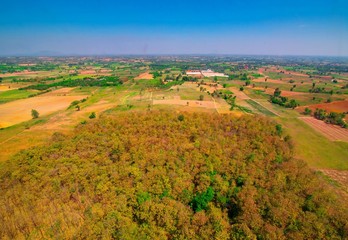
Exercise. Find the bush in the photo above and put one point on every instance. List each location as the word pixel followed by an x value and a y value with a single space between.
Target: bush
pixel 93 115
pixel 34 113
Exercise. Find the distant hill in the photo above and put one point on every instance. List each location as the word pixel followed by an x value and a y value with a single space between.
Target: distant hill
pixel 164 175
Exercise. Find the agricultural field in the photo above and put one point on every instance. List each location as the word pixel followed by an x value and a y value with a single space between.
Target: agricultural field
pixel 77 93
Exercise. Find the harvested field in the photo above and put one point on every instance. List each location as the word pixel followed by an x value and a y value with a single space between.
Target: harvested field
pixel 145 75
pixel 262 79
pixel 209 86
pixel 341 177
pixel 339 106
pixel 4 88
pixel 19 111
pixel 190 103
pixel 239 94
pixel 284 93
pixel 59 92
pixel 332 132
pixel 87 72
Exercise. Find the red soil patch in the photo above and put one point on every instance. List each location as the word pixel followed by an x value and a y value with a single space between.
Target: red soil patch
pixel 332 132
pixel 338 106
pixel 87 72
pixel 145 75
pixel 284 93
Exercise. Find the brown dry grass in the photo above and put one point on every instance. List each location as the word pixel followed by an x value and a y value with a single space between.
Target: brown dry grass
pixel 19 111
pixel 5 88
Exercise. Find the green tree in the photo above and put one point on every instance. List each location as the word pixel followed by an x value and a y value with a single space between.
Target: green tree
pixel 277 92
pixel 92 115
pixel 307 111
pixel 34 113
pixel 201 97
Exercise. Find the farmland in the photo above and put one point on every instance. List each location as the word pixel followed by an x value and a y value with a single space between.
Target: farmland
pixel 77 94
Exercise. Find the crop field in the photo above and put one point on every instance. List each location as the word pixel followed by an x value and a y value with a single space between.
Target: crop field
pixel 18 111
pixel 337 106
pixel 11 95
pixel 134 88
pixel 260 108
pixel 334 133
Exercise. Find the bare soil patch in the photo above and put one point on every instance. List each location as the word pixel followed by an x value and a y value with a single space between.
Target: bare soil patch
pixel 338 106
pixel 332 132
pixel 145 75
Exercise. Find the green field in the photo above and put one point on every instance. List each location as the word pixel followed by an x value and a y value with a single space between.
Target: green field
pixel 11 95
pixel 260 108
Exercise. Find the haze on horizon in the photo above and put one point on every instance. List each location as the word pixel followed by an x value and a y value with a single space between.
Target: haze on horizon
pixel 108 27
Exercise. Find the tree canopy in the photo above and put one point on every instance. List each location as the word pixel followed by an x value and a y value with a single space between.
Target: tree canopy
pixel 164 175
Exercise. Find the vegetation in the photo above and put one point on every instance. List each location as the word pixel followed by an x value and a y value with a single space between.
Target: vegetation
pixel 85 82
pixel 332 117
pixel 34 114
pixel 283 101
pixel 152 175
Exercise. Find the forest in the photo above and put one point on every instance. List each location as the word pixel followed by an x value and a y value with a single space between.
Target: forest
pixel 166 175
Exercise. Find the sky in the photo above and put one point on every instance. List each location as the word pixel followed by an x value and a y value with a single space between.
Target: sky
pixel 106 27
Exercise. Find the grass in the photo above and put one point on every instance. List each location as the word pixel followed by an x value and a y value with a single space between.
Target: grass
pixel 314 148
pixel 11 95
pixel 260 108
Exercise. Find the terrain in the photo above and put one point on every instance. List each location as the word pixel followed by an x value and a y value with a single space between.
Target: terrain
pixel 303 98
pixel 160 175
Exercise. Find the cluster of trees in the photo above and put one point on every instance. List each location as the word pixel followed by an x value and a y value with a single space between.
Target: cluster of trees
pixel 332 117
pixel 283 101
pixel 83 82
pixel 241 76
pixel 161 175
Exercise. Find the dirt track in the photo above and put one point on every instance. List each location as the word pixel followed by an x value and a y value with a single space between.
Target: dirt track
pixel 332 132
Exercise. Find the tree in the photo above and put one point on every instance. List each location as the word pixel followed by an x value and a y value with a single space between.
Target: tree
pixel 93 115
pixel 201 97
pixel 307 111
pixel 241 88
pixel 277 92
pixel 279 129
pixel 34 113
pixel 181 117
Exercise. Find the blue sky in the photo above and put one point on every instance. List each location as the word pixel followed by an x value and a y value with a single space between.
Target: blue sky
pixel 285 27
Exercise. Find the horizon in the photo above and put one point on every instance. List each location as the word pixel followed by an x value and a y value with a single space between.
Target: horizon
pixel 288 28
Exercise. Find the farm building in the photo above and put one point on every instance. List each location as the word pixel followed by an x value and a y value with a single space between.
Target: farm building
pixel 210 73
pixel 194 73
